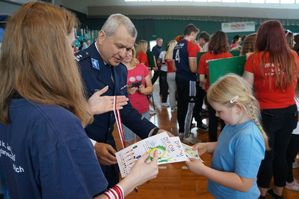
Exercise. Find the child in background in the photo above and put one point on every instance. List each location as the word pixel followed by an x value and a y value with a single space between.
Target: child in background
pixel 139 86
pixel 241 145
pixel 293 149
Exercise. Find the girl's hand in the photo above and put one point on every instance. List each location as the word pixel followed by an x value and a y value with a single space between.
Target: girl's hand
pixel 196 166
pixel 201 148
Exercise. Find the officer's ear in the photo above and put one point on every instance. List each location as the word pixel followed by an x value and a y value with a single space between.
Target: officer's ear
pixel 101 36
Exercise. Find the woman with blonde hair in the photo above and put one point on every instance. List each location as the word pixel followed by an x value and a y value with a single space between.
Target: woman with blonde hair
pixel 139 87
pixel 43 110
pixel 141 49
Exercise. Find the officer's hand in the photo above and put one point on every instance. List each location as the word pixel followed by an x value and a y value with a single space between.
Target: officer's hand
pixel 105 153
pixel 99 104
pixel 169 134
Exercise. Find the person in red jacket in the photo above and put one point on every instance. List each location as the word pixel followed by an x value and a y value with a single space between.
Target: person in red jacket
pixel 218 49
pixel 272 71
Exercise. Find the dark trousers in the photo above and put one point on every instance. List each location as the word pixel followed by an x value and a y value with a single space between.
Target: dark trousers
pixel 163 86
pixel 155 76
pixel 186 91
pixel 278 124
pixel 292 151
pixel 200 95
pixel 213 124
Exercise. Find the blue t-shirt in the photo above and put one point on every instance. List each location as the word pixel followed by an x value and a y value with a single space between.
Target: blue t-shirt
pixel 45 153
pixel 240 149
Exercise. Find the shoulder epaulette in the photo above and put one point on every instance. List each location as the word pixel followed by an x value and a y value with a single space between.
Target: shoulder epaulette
pixel 81 56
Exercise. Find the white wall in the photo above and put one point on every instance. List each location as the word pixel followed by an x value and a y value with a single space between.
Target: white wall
pixel 107 7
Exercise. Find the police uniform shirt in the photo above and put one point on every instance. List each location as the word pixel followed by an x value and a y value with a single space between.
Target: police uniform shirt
pixel 96 75
pixel 45 153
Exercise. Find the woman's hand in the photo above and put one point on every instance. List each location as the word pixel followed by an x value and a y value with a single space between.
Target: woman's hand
pixel 142 171
pixel 142 89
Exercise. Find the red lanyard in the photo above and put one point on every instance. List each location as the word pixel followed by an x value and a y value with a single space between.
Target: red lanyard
pixel 119 123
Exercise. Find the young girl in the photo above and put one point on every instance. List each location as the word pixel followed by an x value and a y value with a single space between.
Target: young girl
pixel 139 86
pixel 241 145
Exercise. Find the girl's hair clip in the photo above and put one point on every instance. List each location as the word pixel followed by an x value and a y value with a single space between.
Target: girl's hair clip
pixel 234 99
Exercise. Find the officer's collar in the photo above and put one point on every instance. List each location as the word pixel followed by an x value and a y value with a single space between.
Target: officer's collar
pixel 95 43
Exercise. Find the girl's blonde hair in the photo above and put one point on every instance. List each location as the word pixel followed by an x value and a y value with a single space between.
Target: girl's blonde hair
pixel 37 61
pixel 169 53
pixel 233 89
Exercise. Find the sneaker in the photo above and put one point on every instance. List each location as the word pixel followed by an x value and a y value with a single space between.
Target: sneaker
pixel 164 104
pixel 181 136
pixel 190 139
pixel 202 126
pixel 152 111
pixel 274 195
pixel 293 186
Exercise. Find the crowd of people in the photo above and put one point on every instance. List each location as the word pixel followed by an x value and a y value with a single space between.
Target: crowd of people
pixel 57 108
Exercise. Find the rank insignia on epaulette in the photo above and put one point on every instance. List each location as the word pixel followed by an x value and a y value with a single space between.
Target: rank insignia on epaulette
pixel 95 64
pixel 80 57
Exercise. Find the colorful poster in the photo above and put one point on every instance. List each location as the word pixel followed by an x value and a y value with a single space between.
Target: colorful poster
pixel 170 150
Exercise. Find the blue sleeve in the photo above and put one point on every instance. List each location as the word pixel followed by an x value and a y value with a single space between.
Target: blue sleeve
pixel 67 164
pixel 134 121
pixel 249 152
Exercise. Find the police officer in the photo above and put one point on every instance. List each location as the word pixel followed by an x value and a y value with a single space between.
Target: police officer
pixel 101 69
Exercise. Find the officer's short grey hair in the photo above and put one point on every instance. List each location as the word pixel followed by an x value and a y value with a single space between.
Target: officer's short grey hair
pixel 114 21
